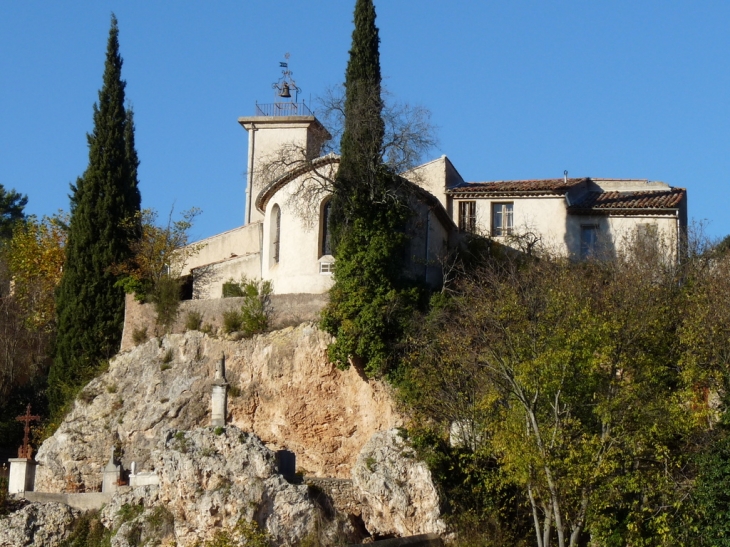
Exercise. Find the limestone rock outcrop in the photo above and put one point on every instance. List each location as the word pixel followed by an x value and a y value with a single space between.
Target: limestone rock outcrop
pixel 37 525
pixel 397 493
pixel 283 389
pixel 210 479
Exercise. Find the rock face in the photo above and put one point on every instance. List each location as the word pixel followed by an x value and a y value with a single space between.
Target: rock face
pixel 210 479
pixel 37 525
pixel 283 389
pixel 398 495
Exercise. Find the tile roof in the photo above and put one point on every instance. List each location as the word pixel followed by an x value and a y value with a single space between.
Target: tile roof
pixel 629 201
pixel 515 187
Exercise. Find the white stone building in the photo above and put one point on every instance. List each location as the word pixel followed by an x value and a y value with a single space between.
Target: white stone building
pixel 284 238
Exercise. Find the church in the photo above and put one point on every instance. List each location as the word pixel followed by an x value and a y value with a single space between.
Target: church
pixel 285 235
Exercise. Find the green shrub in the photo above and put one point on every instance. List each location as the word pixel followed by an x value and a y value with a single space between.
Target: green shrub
pixel 166 298
pixel 161 520
pixel 88 531
pixel 167 358
pixel 255 310
pixel 129 512
pixel 139 336
pixel 244 533
pixel 256 306
pixel 219 430
pixel 193 320
pixel 232 321
pixel 232 289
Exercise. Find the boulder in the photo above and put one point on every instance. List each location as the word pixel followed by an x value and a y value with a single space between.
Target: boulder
pixel 397 493
pixel 37 525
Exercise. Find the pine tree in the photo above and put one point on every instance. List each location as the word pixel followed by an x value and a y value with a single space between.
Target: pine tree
pixel 90 308
pixel 369 303
pixel 12 205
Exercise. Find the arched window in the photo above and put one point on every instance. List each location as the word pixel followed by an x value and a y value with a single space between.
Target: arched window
pixel 325 245
pixel 275 234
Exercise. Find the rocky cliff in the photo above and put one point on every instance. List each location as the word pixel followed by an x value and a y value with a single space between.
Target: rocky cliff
pixel 152 407
pixel 283 389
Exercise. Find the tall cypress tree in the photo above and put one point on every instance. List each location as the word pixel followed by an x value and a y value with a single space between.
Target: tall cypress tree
pixel 369 303
pixel 90 308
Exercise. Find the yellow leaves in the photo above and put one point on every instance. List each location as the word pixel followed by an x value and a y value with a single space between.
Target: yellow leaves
pixel 35 257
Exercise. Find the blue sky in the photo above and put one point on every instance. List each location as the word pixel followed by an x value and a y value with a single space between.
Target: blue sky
pixel 519 89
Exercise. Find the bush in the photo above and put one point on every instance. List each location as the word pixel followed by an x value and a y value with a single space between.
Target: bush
pixel 256 306
pixel 139 336
pixel 88 531
pixel 193 320
pixel 166 298
pixel 255 311
pixel 232 321
pixel 232 289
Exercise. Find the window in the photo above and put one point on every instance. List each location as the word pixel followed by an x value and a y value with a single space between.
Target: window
pixel 468 216
pixel 502 219
pixel 588 241
pixel 326 267
pixel 275 234
pixel 326 245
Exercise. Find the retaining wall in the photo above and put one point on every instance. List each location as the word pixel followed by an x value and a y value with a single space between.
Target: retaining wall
pixel 286 309
pixel 83 502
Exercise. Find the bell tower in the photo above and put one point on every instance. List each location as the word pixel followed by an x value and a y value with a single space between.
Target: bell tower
pixel 281 136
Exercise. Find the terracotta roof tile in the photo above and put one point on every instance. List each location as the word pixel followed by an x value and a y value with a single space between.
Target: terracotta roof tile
pixel 643 200
pixel 544 186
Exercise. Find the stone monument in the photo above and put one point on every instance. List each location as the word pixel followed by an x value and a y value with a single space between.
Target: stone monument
pixel 22 468
pixel 111 475
pixel 219 395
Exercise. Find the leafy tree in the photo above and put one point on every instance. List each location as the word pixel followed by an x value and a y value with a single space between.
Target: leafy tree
pixel 35 256
pixel 11 210
pixel 154 269
pixel 30 269
pixel 566 375
pixel 90 305
pixel 369 303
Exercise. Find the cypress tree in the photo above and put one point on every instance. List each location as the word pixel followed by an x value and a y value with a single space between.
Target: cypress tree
pixel 369 302
pixel 90 308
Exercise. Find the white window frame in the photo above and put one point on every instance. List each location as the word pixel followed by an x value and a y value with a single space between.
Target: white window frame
pixel 503 212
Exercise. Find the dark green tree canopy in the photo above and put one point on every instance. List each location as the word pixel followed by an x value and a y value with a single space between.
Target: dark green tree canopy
pixel 12 205
pixel 362 139
pixel 90 306
pixel 369 303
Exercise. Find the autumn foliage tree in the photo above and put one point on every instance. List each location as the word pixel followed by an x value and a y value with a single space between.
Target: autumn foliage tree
pixel 31 262
pixel 572 378
pixel 153 270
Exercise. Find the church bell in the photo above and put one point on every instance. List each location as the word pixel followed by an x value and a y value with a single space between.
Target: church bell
pixel 285 91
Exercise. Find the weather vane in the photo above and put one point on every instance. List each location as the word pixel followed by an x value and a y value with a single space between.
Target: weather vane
pixel 286 84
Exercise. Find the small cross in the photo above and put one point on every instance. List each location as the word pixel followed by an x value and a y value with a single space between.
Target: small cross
pixel 26 451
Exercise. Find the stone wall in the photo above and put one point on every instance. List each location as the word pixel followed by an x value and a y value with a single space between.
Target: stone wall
pixel 286 310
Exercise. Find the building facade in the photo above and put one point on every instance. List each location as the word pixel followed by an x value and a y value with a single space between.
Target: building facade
pixel 285 236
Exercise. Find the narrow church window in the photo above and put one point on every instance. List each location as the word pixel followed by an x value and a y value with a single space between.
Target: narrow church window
pixel 588 241
pixel 468 216
pixel 326 246
pixel 502 219
pixel 276 234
